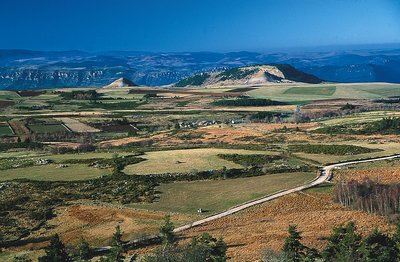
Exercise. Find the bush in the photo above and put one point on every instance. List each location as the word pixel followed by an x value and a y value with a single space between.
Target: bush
pixel 236 73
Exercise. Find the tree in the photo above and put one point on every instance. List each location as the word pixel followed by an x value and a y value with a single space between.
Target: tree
pixel 293 248
pixel 379 247
pixel 396 239
pixel 23 258
pixel 202 248
pixel 117 248
pixel 167 231
pixel 214 249
pixel 55 252
pixel 85 252
pixel 344 244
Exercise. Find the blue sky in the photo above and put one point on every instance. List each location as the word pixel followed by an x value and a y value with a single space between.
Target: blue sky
pixel 189 25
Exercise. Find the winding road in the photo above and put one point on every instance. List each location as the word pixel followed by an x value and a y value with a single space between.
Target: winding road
pixel 325 175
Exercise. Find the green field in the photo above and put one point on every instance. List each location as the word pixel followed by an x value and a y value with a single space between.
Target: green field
pixel 304 93
pixel 176 161
pixel 53 173
pixel 311 90
pixel 5 130
pixel 44 128
pixel 217 195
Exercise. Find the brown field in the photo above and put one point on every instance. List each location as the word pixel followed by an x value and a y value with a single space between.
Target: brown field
pixel 19 129
pixel 252 231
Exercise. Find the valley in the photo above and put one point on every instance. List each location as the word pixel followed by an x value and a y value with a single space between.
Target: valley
pixel 129 155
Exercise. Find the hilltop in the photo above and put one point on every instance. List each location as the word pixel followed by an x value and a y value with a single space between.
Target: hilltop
pixel 259 74
pixel 121 82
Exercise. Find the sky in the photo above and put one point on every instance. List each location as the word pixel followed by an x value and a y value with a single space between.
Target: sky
pixel 189 25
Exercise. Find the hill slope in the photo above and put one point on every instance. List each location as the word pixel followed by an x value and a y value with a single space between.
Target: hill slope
pixel 259 74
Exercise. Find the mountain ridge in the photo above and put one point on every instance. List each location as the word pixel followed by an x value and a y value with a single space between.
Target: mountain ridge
pixel 25 69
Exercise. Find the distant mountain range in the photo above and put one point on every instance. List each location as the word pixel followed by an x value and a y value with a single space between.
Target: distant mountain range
pixel 24 69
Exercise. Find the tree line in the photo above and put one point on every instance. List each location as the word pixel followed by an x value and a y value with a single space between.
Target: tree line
pixel 369 196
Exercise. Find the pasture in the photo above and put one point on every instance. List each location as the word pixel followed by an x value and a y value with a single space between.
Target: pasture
pixel 217 195
pixel 53 172
pixel 181 161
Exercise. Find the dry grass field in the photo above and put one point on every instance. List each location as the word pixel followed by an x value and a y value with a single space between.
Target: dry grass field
pixel 96 224
pixel 257 229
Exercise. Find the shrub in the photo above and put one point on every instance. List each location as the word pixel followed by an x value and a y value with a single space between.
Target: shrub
pixel 247 102
pixel 331 149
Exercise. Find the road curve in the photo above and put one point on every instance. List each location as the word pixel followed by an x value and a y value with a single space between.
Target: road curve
pixel 325 175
